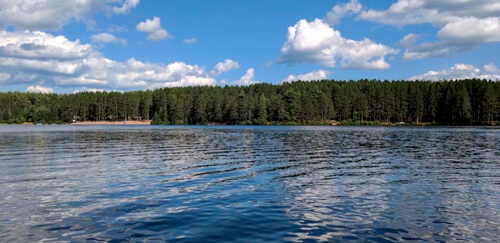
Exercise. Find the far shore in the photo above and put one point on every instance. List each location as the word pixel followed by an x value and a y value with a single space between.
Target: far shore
pixel 495 125
pixel 87 123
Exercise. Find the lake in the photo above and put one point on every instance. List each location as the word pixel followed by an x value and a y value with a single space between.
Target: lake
pixel 249 184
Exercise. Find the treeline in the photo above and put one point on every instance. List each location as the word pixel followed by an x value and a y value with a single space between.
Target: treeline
pixel 466 102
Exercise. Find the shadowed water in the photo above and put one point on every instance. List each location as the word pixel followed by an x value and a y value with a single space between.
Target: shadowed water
pixel 249 184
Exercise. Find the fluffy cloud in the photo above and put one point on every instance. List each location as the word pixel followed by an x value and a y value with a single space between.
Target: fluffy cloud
pixel 107 38
pixel 39 57
pixel 126 7
pixel 40 46
pixel 471 30
pixel 189 41
pixel 54 14
pixel 316 42
pixel 224 66
pixel 153 27
pixel 341 10
pixel 39 89
pixel 463 25
pixel 314 75
pixel 437 13
pixel 246 79
pixel 461 71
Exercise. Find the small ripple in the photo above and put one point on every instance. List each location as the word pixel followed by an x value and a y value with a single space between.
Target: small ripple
pixel 259 184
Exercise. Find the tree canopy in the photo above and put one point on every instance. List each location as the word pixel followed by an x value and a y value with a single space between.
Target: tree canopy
pixel 465 102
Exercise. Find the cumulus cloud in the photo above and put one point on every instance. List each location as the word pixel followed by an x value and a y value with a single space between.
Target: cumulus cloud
pixel 312 76
pixel 461 71
pixel 107 38
pixel 39 89
pixel 341 10
pixel 126 7
pixel 40 46
pixel 224 66
pixel 189 41
pixel 463 25
pixel 38 57
pixel 246 79
pixel 471 30
pixel 54 14
pixel 317 43
pixel 153 27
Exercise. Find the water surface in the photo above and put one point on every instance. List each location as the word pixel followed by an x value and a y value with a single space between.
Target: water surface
pixel 249 184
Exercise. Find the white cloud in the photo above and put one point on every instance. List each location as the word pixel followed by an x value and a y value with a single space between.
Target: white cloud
pixel 127 6
pixel 463 25
pixel 40 46
pixel 107 38
pixel 153 27
pixel 4 76
pixel 150 25
pixel 53 67
pixel 246 79
pixel 491 68
pixel 158 35
pixel 54 14
pixel 39 89
pixel 314 75
pixel 437 13
pixel 471 30
pixel 189 41
pixel 316 42
pixel 192 81
pixel 224 66
pixel 433 49
pixel 341 10
pixel 39 57
pixel 461 71
pixel 408 40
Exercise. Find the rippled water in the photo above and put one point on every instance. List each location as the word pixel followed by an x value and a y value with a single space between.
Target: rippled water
pixel 247 184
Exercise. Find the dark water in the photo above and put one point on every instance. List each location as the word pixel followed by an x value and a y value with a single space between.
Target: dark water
pixel 249 184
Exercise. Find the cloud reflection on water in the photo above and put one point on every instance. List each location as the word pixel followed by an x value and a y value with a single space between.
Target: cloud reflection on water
pixel 259 183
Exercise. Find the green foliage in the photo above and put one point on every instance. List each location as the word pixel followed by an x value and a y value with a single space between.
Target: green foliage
pixel 37 114
pixel 363 102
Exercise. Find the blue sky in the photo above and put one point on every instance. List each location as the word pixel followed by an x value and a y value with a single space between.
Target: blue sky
pixel 67 46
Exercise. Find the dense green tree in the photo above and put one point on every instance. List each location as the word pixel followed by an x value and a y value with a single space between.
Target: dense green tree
pixel 464 102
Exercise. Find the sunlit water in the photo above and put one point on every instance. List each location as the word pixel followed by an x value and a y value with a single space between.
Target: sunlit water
pixel 249 184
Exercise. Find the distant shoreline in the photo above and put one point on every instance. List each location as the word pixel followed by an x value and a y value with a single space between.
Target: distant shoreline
pixel 117 123
pixel 339 124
